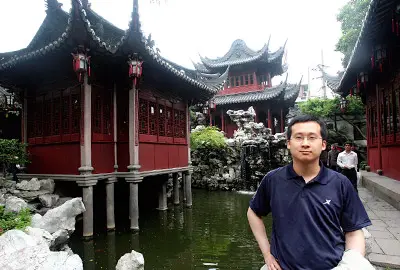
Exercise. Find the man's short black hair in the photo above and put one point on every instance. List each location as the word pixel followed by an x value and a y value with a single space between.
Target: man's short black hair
pixel 348 142
pixel 308 118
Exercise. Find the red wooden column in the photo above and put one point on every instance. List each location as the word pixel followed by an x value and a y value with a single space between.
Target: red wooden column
pixel 378 105
pixel 282 122
pixel 222 120
pixel 269 119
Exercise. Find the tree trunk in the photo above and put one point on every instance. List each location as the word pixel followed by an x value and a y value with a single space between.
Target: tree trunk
pixel 354 126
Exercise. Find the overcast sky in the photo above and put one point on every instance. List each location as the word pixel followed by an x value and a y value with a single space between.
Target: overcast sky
pixel 183 29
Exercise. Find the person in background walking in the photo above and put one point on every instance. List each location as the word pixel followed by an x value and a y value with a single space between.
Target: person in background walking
pixel 348 161
pixel 332 157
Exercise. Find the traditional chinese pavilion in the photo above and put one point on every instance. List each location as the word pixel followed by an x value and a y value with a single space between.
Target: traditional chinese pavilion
pixel 101 104
pixel 373 73
pixel 249 84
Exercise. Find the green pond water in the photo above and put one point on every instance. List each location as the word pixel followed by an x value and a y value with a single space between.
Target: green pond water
pixel 214 234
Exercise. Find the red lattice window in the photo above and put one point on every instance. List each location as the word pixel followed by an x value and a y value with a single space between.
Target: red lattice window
pixel 389 116
pixel 38 125
pixel 31 118
pixel 76 111
pixel 47 123
pixel 176 124
pixel 66 108
pixel 182 124
pixel 153 118
pixel 143 116
pixel 107 115
pixel 161 120
pixel 56 115
pixel 97 114
pixel 169 123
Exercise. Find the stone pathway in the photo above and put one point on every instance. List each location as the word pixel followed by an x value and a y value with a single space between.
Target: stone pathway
pixel 385 231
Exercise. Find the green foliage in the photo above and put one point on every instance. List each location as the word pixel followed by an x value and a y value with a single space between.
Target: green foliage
pixel 351 17
pixel 12 152
pixel 320 107
pixel 11 220
pixel 209 137
pixel 355 106
pixel 326 108
pixel 363 164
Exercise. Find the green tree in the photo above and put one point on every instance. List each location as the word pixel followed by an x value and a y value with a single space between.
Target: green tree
pixel 351 17
pixel 12 152
pixel 330 109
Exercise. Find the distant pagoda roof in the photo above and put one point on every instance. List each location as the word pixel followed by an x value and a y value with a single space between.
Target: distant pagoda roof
pixel 240 54
pixel 84 26
pixel 284 91
pixel 333 81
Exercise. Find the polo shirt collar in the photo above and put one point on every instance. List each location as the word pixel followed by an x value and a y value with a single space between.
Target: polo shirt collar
pixel 321 178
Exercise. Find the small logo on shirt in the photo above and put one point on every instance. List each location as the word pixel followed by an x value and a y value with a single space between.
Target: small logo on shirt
pixel 327 202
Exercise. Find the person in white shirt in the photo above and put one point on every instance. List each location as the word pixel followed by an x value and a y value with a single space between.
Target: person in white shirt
pixel 347 161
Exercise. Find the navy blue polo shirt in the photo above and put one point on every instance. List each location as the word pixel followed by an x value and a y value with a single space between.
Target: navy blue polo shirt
pixel 308 218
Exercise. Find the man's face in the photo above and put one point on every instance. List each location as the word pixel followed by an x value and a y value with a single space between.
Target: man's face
pixel 347 147
pixel 332 147
pixel 305 143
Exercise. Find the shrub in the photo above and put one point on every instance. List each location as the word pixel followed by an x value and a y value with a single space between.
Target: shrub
pixel 11 220
pixel 208 137
pixel 12 152
pixel 363 164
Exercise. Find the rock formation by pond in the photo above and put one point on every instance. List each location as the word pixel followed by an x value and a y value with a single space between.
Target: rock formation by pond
pixel 43 245
pixel 251 153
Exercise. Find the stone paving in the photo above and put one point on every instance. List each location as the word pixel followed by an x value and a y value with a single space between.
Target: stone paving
pixel 385 231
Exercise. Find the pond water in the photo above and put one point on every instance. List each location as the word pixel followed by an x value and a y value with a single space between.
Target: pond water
pixel 214 234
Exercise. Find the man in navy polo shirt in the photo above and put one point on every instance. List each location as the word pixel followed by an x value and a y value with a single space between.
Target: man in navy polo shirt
pixel 316 212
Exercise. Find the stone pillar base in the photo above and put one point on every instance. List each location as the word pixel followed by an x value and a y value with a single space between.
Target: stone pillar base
pixel 87 198
pixel 110 202
pixel 176 188
pixel 162 196
pixel 134 202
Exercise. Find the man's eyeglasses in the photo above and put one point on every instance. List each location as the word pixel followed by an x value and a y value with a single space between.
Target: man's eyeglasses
pixel 300 138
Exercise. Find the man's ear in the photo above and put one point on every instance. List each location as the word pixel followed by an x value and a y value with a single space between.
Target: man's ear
pixel 323 144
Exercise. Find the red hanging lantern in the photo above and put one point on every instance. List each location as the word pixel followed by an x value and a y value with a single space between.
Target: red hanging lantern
pixel 135 68
pixel 81 64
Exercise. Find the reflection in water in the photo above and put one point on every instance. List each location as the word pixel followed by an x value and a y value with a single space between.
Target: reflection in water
pixel 214 234
pixel 112 259
pixel 88 255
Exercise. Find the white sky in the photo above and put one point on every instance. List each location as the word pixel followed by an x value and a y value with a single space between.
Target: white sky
pixel 183 29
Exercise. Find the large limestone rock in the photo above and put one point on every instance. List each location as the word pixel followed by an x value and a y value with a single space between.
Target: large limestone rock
pixel 14 204
pixel 19 250
pixel 131 261
pixel 60 218
pixel 47 184
pixel 48 200
pixel 32 185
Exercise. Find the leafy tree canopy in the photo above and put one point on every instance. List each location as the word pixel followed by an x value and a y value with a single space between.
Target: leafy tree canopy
pixel 327 108
pixel 351 17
